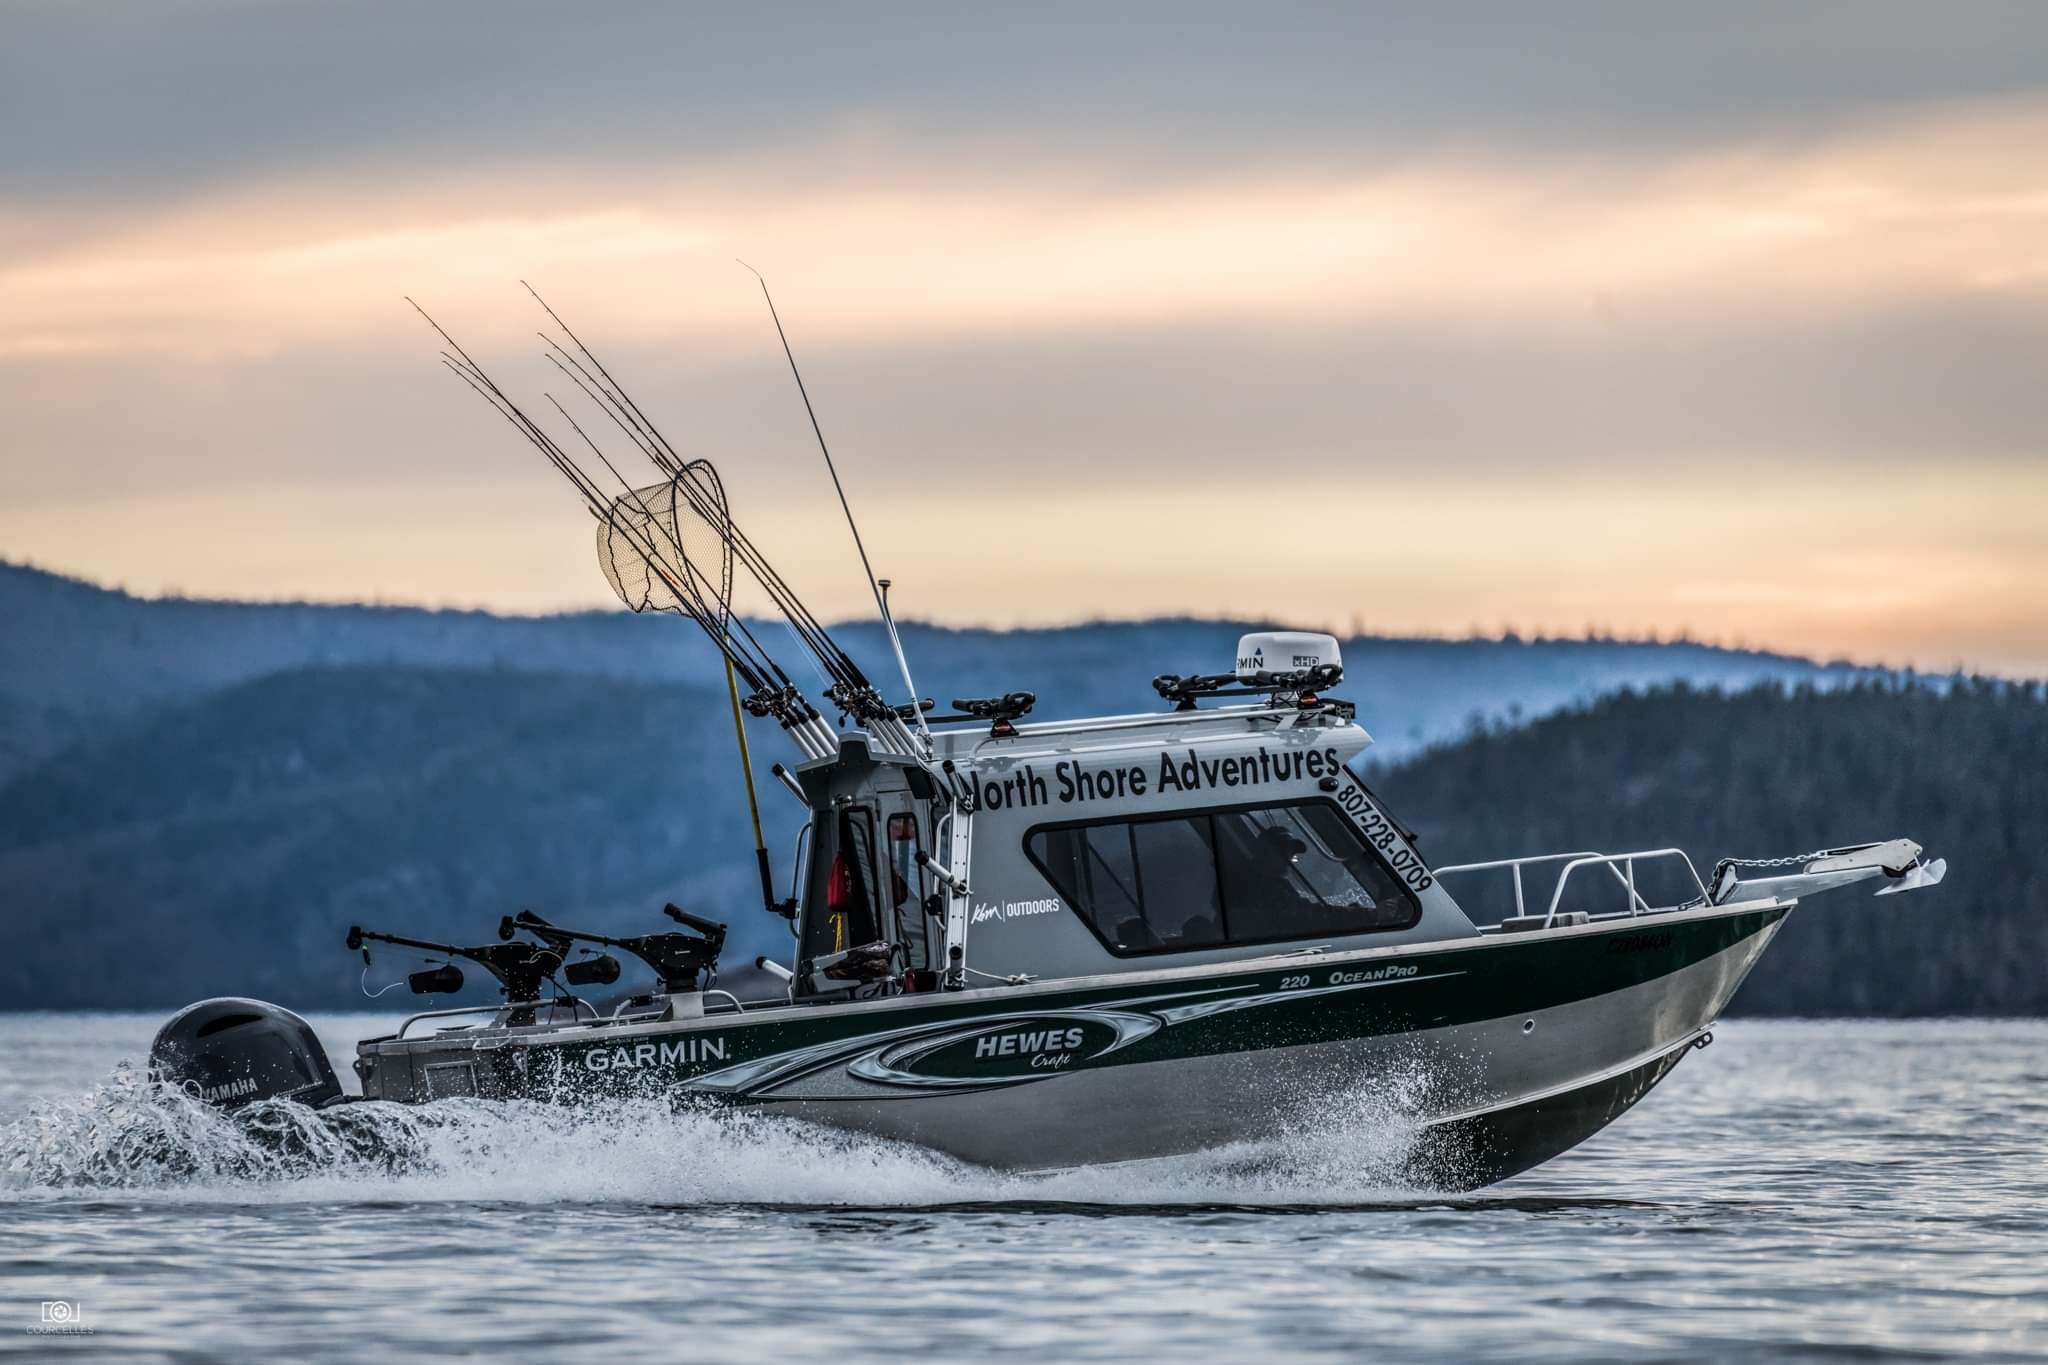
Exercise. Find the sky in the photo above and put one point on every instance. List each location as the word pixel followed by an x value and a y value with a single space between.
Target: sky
pixel 1729 320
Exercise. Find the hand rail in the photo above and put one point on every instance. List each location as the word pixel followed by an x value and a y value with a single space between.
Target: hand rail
pixel 1637 905
pixel 489 1009
pixel 1521 908
pixel 443 1014
pixel 1625 874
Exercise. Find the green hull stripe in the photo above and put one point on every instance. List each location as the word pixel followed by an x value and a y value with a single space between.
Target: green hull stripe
pixel 1308 1000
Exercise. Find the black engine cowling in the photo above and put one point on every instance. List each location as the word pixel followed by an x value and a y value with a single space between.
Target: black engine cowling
pixel 231 1052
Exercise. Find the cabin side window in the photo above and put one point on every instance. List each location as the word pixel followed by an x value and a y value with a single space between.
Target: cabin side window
pixel 1202 879
pixel 904 881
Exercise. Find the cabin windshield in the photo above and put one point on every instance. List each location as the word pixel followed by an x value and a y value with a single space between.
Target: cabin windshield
pixel 1206 878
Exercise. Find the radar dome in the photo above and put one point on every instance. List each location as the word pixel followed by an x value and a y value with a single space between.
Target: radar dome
pixel 1268 655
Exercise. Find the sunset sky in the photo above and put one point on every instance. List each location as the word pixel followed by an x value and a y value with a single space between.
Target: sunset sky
pixel 1730 319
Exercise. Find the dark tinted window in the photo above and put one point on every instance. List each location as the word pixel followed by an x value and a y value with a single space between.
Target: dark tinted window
pixel 1296 871
pixel 1147 886
pixel 1206 878
pixel 1176 870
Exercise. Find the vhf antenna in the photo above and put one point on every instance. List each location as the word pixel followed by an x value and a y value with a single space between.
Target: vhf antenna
pixel 881 602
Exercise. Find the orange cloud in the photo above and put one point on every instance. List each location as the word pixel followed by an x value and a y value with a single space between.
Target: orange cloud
pixel 1770 558
pixel 1947 206
pixel 1948 211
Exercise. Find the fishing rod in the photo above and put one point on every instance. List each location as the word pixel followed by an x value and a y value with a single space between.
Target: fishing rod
pixel 726 620
pixel 772 693
pixel 635 520
pixel 841 670
pixel 724 614
pixel 612 399
pixel 605 509
pixel 751 660
pixel 881 601
pixel 847 685
pixel 626 398
pixel 812 635
pixel 618 406
pixel 638 497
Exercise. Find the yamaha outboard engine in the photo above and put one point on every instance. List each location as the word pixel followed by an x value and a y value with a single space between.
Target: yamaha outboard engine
pixel 230 1052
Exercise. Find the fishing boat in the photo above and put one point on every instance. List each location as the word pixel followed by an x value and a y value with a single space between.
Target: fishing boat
pixel 1045 944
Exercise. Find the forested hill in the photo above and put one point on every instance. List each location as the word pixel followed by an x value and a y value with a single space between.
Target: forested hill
pixel 223 845
pixel 1963 769
pixel 78 661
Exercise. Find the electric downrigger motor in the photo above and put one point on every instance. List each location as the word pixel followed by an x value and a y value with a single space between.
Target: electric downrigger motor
pixel 676 959
pixel 521 969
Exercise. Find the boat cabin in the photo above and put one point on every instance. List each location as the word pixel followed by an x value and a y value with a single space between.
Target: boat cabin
pixel 1078 848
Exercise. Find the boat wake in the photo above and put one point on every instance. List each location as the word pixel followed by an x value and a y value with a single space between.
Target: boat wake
pixel 135 1139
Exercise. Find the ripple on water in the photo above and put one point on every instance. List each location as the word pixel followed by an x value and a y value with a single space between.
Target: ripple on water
pixel 1776 1197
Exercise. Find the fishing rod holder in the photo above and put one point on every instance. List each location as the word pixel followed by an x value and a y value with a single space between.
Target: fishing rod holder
pixel 1298 687
pixel 712 930
pixel 1001 711
pixel 790 784
pixel 940 874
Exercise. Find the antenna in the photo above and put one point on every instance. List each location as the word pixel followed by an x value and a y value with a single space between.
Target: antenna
pixel 881 602
pixel 641 548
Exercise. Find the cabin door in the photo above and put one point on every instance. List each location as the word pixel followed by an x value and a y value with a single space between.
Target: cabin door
pixel 866 886
pixel 849 868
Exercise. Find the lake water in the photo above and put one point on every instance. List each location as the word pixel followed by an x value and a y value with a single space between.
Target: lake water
pixel 1822 1190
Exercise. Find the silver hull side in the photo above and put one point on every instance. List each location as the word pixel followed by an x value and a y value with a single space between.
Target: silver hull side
pixel 1536 1082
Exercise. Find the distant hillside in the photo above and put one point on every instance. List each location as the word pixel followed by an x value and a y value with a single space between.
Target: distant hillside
pixel 1770 772
pixel 80 659
pixel 226 846
pixel 223 845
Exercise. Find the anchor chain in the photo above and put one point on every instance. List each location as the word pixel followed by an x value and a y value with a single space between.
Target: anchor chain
pixel 1793 860
pixel 1727 864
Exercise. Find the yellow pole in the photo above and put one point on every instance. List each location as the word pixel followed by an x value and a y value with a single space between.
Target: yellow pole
pixel 739 730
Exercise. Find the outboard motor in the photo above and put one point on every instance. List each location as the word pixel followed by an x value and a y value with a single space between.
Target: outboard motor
pixel 231 1052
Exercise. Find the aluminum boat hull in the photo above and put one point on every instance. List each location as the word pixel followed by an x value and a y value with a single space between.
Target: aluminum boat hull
pixel 1496 1052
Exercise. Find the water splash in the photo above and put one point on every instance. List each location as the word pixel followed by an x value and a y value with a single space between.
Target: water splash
pixel 150 1141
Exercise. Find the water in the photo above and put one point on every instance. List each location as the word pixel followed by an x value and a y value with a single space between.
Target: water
pixel 1802 1190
